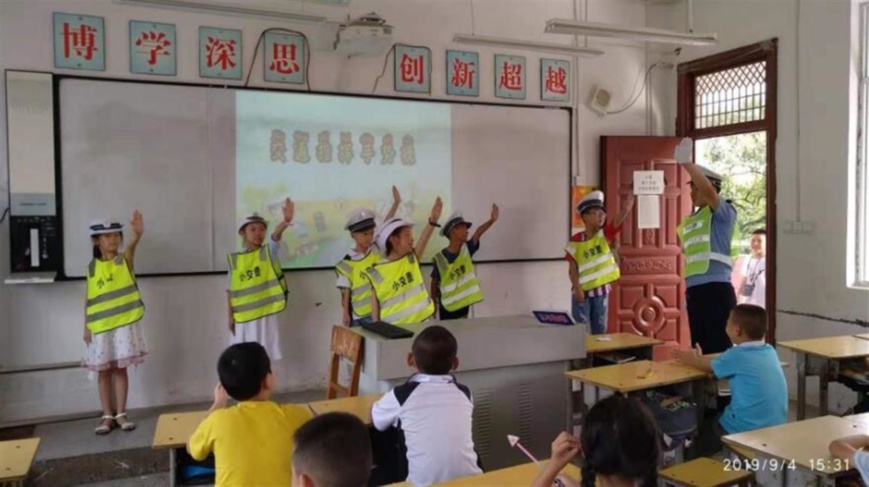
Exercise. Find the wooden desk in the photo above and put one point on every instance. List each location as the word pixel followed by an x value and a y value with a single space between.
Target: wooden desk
pixel 637 376
pixel 706 472
pixel 16 457
pixel 616 342
pixel 821 357
pixel 860 418
pixel 518 476
pixel 864 336
pixel 359 406
pixel 172 432
pixel 803 444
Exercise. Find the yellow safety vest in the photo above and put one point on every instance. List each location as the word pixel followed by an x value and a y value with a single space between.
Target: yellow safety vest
pixel 401 292
pixel 360 286
pixel 459 285
pixel 113 297
pixel 695 234
pixel 595 261
pixel 258 287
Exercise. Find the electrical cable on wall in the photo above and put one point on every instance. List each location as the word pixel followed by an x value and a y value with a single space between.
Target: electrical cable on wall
pixel 285 31
pixel 639 93
pixel 799 121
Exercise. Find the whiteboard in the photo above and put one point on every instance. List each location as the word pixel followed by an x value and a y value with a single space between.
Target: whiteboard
pixel 169 151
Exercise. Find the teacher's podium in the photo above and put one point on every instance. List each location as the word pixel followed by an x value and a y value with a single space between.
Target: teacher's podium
pixel 514 367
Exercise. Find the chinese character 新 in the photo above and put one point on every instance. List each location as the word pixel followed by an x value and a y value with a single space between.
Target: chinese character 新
pixel 324 147
pixel 511 77
pixel 284 59
pixel 463 74
pixel 367 153
pixel 412 69
pixel 387 150
pixel 220 52
pixel 408 153
pixel 81 41
pixel 278 146
pixel 345 148
pixel 300 147
pixel 153 44
pixel 556 80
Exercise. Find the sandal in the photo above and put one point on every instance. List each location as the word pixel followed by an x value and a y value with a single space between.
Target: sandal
pixel 126 424
pixel 107 424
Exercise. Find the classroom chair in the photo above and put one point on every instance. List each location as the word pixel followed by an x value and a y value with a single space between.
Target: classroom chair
pixel 346 345
pixel 705 472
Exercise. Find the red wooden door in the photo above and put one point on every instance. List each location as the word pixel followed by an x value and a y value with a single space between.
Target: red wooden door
pixel 649 299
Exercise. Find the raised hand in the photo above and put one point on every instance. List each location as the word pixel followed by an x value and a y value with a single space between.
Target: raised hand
pixel 495 212
pixel 289 210
pixel 437 209
pixel 137 224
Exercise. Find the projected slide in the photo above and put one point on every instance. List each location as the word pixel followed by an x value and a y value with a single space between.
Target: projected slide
pixel 332 156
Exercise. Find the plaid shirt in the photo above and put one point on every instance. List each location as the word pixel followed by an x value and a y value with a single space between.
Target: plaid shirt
pixel 609 232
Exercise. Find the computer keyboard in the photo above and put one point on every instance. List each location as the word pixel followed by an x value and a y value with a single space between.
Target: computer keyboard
pixel 386 330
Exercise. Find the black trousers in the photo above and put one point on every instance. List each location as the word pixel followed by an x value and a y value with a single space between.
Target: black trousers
pixel 709 306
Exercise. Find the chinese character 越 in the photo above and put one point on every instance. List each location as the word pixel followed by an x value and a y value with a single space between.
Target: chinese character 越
pixel 412 69
pixel 284 59
pixel 556 80
pixel 408 153
pixel 511 77
pixel 463 74
pixel 387 150
pixel 324 147
pixel 345 148
pixel 278 146
pixel 220 52
pixel 153 44
pixel 81 41
pixel 367 153
pixel 300 147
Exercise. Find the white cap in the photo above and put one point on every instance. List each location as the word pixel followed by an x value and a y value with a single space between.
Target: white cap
pixel 360 220
pixel 710 174
pixel 387 229
pixel 454 219
pixel 100 227
pixel 252 218
pixel 591 200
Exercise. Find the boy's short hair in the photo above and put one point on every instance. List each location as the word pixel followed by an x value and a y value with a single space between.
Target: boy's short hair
pixel 751 319
pixel 334 450
pixel 434 350
pixel 242 369
pixel 759 231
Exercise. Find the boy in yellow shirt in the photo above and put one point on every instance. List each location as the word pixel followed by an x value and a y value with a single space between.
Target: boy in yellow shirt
pixel 252 441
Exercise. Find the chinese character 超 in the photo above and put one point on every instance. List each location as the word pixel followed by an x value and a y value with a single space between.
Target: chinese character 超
pixel 511 77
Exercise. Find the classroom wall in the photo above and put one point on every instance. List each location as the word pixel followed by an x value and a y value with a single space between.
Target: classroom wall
pixel 186 317
pixel 811 268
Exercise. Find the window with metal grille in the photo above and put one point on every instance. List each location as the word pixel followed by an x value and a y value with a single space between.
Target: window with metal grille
pixel 731 96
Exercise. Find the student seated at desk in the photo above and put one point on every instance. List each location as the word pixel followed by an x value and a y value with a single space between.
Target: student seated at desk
pixel 759 393
pixel 332 450
pixel 252 441
pixel 620 443
pixel 855 451
pixel 433 411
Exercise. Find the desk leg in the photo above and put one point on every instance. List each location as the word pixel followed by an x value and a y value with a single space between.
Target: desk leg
pixel 172 468
pixel 801 386
pixel 570 406
pixel 823 386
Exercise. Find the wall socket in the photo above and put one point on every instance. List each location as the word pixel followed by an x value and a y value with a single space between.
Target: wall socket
pixel 797 227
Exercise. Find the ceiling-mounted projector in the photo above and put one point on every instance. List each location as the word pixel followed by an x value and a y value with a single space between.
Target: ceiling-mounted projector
pixel 369 35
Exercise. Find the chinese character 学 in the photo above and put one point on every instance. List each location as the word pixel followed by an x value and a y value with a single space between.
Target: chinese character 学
pixel 556 80
pixel 511 76
pixel 220 52
pixel 81 41
pixel 284 59
pixel 463 74
pixel 153 44
pixel 412 69
pixel 278 146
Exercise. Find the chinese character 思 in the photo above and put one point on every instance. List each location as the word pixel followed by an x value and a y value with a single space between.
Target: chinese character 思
pixel 284 59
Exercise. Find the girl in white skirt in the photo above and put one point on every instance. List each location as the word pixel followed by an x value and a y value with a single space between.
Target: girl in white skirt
pixel 113 310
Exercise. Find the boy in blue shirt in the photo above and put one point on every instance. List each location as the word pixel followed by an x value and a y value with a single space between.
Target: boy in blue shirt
pixel 758 391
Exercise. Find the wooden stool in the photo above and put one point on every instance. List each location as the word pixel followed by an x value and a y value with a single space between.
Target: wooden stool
pixel 705 472
pixel 348 345
pixel 16 457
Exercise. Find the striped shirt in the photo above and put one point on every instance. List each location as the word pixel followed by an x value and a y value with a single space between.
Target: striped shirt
pixel 609 231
